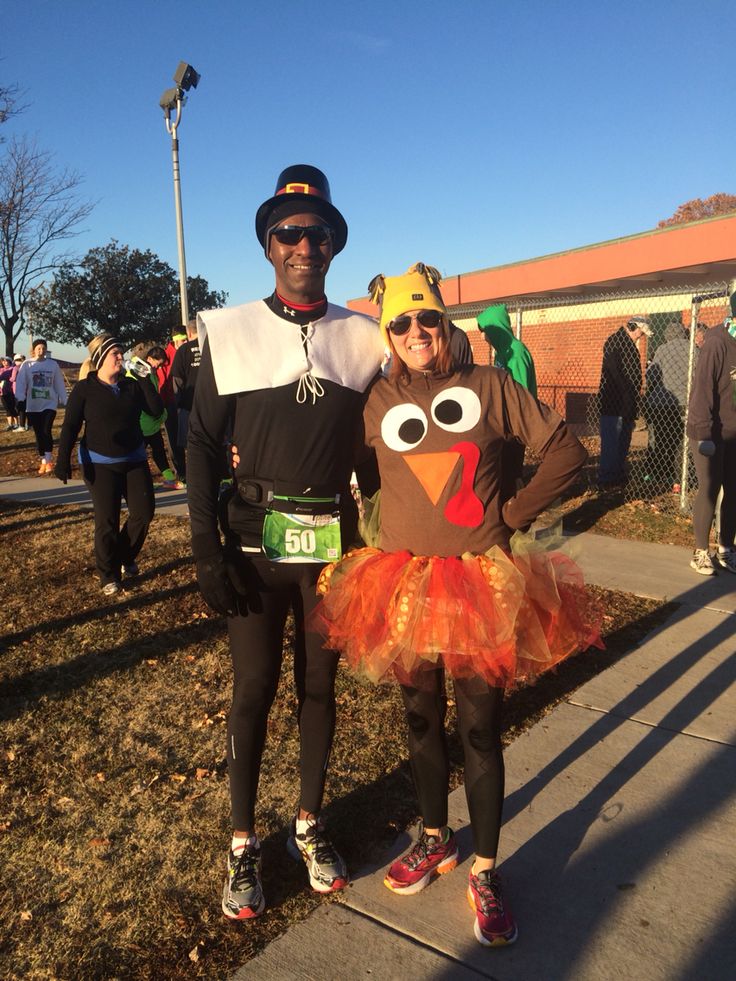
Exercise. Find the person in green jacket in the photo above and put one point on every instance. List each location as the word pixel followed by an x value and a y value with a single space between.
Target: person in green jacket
pixel 514 357
pixel 151 427
pixel 510 353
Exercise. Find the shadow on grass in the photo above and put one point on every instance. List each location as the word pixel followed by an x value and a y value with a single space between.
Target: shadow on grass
pixel 19 693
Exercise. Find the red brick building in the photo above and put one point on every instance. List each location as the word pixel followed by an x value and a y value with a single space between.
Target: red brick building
pixel 563 306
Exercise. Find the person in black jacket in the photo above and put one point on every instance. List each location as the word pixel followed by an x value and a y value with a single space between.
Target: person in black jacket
pixel 711 428
pixel 619 398
pixel 184 369
pixel 112 455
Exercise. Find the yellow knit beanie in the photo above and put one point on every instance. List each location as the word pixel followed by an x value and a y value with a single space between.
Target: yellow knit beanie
pixel 417 289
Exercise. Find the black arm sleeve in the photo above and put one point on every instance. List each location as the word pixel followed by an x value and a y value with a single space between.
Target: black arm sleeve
pixel 73 422
pixel 209 422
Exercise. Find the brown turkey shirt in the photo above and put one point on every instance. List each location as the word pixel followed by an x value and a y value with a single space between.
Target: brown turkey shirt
pixel 438 439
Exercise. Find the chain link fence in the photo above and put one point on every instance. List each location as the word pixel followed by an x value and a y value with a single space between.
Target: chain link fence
pixel 566 336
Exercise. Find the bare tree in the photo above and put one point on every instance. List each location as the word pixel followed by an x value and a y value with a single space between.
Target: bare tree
pixel 39 210
pixel 9 105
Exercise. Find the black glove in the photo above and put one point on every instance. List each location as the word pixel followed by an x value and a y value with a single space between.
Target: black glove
pixel 63 471
pixel 223 582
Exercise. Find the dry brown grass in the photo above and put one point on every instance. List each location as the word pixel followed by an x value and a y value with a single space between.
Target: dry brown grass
pixel 113 793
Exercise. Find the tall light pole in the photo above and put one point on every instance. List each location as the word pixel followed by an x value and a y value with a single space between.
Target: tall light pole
pixel 172 101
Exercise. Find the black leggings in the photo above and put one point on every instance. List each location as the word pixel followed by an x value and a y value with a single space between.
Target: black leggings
pixel 713 473
pixel 42 423
pixel 256 646
pixel 479 710
pixel 108 485
pixel 158 450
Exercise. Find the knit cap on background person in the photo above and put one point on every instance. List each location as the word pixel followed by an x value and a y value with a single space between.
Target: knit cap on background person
pixel 510 353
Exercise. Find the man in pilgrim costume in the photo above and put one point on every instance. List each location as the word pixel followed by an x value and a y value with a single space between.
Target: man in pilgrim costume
pixel 284 378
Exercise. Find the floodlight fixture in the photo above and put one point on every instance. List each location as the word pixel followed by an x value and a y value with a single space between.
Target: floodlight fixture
pixel 186 77
pixel 171 102
pixel 168 100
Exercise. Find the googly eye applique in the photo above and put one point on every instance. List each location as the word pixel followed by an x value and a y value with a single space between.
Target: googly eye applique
pixel 404 427
pixel 456 409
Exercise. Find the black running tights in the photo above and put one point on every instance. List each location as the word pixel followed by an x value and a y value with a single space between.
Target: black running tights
pixel 158 450
pixel 713 473
pixel 256 644
pixel 108 485
pixel 42 423
pixel 479 710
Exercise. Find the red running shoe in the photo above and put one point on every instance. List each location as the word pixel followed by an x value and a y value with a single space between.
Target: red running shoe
pixel 494 923
pixel 431 855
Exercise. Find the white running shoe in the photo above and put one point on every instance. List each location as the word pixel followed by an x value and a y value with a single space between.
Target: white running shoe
pixel 702 562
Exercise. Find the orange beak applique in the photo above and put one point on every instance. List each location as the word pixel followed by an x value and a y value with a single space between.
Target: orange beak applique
pixel 433 470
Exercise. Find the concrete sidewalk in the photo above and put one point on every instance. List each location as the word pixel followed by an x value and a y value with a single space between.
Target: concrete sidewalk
pixel 49 490
pixel 619 822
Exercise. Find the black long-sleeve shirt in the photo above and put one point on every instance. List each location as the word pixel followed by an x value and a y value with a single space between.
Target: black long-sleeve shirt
pixel 183 374
pixel 309 443
pixel 111 421
pixel 620 376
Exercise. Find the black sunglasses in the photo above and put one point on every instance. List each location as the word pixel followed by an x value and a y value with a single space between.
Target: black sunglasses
pixel 293 234
pixel 426 318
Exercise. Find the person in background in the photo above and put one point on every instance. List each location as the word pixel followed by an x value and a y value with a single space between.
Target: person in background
pixel 18 360
pixel 462 352
pixel 40 390
pixel 664 404
pixel 183 379
pixel 711 428
pixel 444 589
pixel 286 377
pixel 619 392
pixel 151 425
pixel 7 394
pixel 513 356
pixel 166 390
pixel 108 404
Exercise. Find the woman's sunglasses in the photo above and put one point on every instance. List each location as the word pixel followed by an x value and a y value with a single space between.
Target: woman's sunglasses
pixel 293 234
pixel 426 318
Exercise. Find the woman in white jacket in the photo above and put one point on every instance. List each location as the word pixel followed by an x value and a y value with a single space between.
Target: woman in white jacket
pixel 40 388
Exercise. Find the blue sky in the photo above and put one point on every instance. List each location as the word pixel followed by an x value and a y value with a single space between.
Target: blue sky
pixel 465 134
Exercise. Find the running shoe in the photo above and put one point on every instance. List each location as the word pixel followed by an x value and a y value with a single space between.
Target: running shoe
pixel 494 924
pixel 326 868
pixel 431 855
pixel 46 467
pixel 130 570
pixel 173 484
pixel 725 558
pixel 702 562
pixel 111 588
pixel 242 897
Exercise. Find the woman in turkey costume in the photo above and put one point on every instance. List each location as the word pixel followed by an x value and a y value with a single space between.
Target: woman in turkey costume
pixel 445 589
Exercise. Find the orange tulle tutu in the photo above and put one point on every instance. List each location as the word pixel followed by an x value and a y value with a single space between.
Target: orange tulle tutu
pixel 504 617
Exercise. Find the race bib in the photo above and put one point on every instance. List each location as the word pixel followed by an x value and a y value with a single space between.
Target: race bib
pixel 301 537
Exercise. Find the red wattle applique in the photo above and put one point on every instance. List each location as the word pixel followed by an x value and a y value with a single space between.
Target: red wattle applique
pixel 465 508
